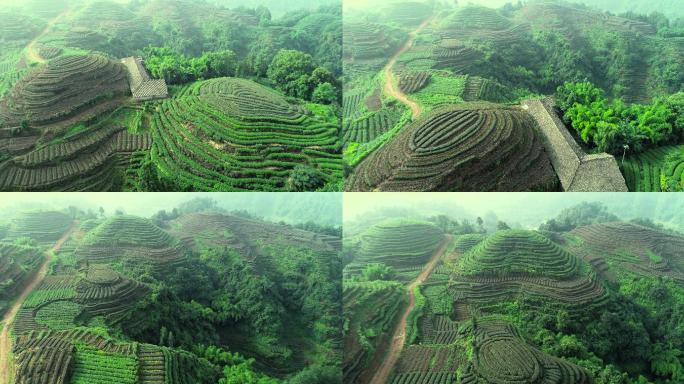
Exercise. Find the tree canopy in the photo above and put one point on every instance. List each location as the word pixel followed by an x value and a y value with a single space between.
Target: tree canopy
pixel 616 127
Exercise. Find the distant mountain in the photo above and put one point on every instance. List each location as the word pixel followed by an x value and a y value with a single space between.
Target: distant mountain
pixel 277 7
pixel 672 8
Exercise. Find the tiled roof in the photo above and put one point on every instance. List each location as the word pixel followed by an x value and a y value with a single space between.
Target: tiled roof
pixel 142 87
pixel 577 171
pixel 151 89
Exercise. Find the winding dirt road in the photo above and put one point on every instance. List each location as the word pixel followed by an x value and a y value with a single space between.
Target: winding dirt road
pixel 391 87
pixel 8 320
pixel 399 337
pixel 32 52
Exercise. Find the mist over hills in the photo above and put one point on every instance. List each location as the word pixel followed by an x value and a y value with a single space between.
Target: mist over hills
pixel 277 7
pixel 526 210
pixel 323 209
pixel 671 8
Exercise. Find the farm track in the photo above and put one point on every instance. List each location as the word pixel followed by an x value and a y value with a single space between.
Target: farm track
pixel 399 336
pixel 31 50
pixel 8 320
pixel 393 89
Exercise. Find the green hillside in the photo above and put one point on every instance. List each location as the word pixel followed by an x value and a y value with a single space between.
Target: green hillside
pixel 571 303
pixel 401 244
pixel 193 299
pixel 623 69
pixel 75 116
pixel 518 252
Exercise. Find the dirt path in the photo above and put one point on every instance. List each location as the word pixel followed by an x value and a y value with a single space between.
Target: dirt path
pixel 8 320
pixel 399 337
pixel 31 51
pixel 391 87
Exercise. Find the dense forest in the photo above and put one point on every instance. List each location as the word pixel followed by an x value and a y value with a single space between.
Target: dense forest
pixel 192 294
pixel 584 298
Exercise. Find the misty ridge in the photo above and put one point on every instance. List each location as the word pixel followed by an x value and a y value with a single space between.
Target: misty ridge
pixel 671 8
pixel 321 209
pixel 519 210
pixel 168 96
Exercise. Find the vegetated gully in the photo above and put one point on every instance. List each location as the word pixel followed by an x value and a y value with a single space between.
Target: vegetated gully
pixel 391 88
pixel 10 315
pixel 399 336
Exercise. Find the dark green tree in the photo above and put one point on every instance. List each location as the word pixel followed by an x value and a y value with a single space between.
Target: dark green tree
pixel 290 71
pixel 304 178
pixel 378 271
pixel 325 94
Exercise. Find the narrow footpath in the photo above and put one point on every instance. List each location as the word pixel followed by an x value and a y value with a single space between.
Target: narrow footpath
pixel 8 320
pixel 391 87
pixel 399 336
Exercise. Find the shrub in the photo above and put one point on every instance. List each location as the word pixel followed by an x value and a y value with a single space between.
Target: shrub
pixel 378 271
pixel 324 94
pixel 304 178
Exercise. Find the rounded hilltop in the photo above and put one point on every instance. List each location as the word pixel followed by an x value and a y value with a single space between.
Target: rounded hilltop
pixel 466 147
pixel 407 12
pixel 519 252
pixel 233 134
pixel 130 230
pixel 476 17
pixel 66 87
pixel 42 226
pixel 400 242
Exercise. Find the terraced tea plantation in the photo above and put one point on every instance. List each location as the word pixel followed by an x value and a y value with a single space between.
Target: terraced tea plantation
pixel 365 41
pixel 500 307
pixel 657 170
pixel 402 244
pixel 515 262
pixel 452 56
pixel 113 282
pixel 614 246
pixel 133 238
pixel 370 309
pixel 74 116
pixel 518 252
pixel 18 263
pixel 502 356
pixel 465 148
pixel 236 135
pixel 406 12
pixel 63 88
pixel 43 227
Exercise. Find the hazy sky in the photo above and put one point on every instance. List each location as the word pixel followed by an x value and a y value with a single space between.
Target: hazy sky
pixel 142 204
pixel 376 3
pixel 277 7
pixel 527 209
pixel 475 203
